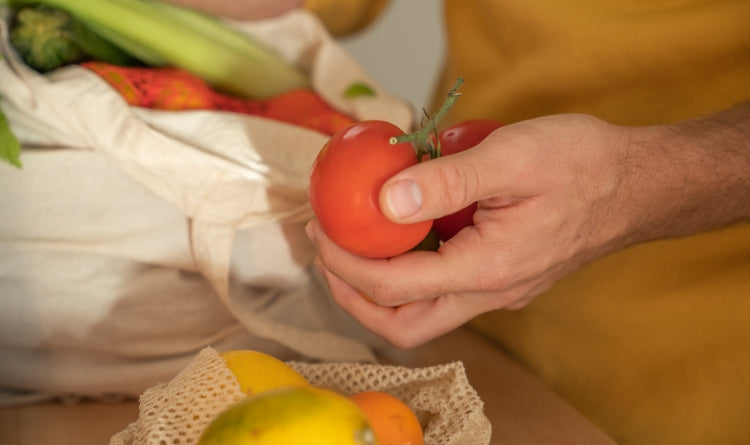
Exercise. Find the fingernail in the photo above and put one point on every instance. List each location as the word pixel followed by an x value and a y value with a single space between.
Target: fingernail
pixel 404 198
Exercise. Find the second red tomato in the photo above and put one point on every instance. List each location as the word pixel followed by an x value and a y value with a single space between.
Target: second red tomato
pixel 456 138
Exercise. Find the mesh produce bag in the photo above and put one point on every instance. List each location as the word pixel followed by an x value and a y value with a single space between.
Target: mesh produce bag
pixel 176 413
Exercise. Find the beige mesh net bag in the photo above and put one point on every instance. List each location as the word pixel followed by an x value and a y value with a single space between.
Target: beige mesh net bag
pixel 177 412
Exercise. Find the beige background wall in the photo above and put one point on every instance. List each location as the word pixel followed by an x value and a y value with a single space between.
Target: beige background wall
pixel 403 49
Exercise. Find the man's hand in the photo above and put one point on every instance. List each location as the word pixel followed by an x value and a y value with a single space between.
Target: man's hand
pixel 553 193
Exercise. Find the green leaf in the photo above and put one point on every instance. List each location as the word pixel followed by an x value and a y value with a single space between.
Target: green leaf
pixel 10 147
pixel 359 89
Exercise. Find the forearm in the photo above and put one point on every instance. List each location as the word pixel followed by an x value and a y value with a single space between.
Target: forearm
pixel 341 17
pixel 240 9
pixel 694 175
pixel 344 17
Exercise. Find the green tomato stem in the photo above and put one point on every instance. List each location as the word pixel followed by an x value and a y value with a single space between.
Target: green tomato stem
pixel 423 144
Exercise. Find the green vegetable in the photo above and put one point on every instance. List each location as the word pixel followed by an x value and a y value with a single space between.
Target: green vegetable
pixel 10 148
pixel 359 89
pixel 159 33
pixel 48 38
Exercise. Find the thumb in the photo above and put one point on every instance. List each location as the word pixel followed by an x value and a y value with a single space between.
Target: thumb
pixel 432 189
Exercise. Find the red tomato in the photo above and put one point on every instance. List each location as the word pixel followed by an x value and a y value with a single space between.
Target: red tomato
pixel 456 138
pixel 345 182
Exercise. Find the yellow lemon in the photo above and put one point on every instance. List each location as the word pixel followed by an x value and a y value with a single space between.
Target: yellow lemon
pixel 297 415
pixel 257 372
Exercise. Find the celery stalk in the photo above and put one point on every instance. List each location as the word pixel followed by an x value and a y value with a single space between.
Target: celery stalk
pixel 10 147
pixel 164 34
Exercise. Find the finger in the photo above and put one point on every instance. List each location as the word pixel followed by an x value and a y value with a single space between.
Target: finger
pixel 402 279
pixel 411 324
pixel 445 185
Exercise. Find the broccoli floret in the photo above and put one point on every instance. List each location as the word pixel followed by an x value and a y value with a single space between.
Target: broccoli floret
pixel 43 38
pixel 47 38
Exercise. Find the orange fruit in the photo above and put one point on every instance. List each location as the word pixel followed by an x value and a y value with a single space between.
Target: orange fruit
pixel 393 422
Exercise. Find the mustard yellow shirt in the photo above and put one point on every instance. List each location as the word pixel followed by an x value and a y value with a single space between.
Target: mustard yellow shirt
pixel 651 343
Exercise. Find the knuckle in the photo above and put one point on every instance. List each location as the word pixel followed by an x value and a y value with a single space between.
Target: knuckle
pixel 458 184
pixel 402 340
pixel 385 295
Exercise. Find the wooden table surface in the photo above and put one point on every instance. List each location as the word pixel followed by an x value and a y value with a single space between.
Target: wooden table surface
pixel 521 409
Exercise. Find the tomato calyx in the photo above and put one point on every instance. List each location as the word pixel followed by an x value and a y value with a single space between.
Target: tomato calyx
pixel 424 145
